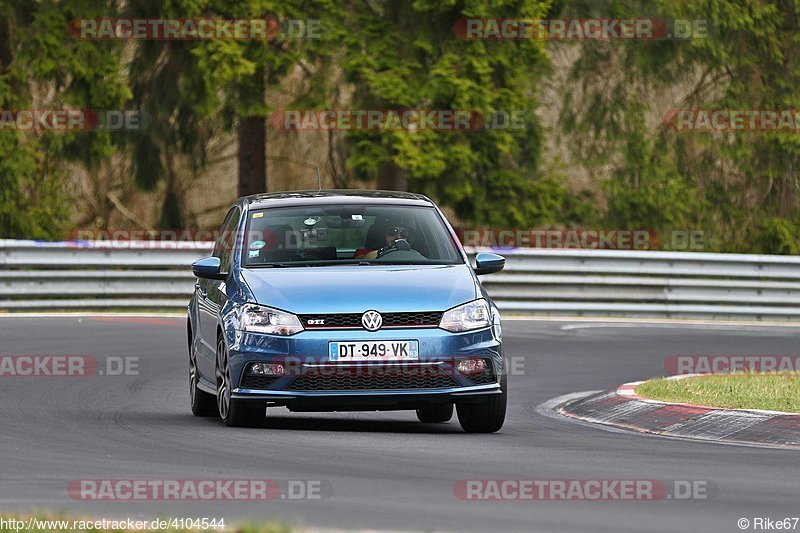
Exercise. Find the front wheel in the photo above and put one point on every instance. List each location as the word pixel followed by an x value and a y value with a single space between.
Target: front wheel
pixel 232 411
pixel 487 416
pixel 436 413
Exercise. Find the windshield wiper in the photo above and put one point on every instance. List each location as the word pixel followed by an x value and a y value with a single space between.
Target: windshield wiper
pixel 311 263
pixel 336 262
pixel 267 265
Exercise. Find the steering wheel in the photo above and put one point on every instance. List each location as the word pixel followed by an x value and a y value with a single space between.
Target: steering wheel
pixel 402 247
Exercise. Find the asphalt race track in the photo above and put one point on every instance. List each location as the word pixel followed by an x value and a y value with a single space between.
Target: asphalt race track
pixel 384 470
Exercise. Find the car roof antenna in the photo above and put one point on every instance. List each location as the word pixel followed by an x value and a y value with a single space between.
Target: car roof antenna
pixel 319 180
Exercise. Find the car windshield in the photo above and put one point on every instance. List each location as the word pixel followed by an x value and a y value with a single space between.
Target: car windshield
pixel 361 234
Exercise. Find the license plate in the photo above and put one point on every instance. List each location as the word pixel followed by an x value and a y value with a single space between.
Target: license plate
pixel 373 351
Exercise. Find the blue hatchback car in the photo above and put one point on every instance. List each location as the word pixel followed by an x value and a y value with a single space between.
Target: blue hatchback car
pixel 344 300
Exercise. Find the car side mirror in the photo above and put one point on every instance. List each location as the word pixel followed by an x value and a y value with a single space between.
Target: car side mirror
pixel 488 263
pixel 208 268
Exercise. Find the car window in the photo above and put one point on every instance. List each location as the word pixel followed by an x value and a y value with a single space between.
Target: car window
pixel 331 234
pixel 226 240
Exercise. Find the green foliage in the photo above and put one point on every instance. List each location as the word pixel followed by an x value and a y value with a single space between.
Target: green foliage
pixel 31 196
pixel 404 55
pixel 778 235
pixel 194 90
pixel 740 187
pixel 41 64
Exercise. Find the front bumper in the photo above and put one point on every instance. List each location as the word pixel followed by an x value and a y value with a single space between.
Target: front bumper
pixel 315 383
pixel 366 400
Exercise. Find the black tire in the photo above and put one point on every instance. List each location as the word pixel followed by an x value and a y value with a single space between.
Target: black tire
pixel 435 413
pixel 487 416
pixel 203 403
pixel 234 412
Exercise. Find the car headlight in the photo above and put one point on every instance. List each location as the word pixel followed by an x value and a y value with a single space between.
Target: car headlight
pixel 260 319
pixel 472 315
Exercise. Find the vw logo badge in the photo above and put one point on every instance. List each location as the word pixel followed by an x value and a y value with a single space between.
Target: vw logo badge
pixel 372 320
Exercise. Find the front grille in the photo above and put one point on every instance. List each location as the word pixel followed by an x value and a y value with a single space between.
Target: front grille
pixel 351 320
pixel 411 319
pixel 390 320
pixel 372 379
pixel 257 382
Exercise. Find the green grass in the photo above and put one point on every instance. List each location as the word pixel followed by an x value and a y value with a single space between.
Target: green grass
pixel 769 391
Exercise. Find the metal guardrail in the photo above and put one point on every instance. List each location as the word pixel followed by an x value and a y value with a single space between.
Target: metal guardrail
pixel 84 275
pixel 73 276
pixel 649 284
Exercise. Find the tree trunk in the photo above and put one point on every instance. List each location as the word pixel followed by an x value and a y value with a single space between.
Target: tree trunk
pixel 6 53
pixel 252 133
pixel 172 210
pixel 252 155
pixel 392 178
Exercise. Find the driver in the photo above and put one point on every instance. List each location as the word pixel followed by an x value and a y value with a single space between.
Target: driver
pixel 396 232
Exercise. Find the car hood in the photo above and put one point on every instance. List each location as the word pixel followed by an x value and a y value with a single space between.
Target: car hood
pixel 355 289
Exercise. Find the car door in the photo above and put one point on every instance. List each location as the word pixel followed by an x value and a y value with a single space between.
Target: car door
pixel 211 295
